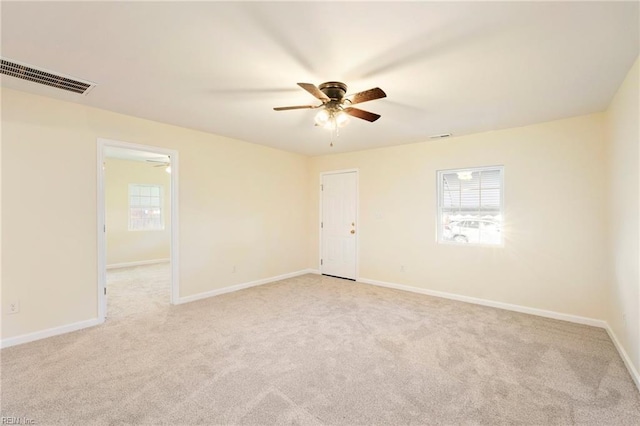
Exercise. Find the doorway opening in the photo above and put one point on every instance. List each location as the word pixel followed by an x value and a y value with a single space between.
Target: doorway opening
pixel 137 228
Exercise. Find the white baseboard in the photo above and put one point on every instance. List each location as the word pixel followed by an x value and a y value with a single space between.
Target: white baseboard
pixel 523 309
pixel 625 357
pixel 484 302
pixel 50 332
pixel 241 286
pixel 138 263
pixel 26 338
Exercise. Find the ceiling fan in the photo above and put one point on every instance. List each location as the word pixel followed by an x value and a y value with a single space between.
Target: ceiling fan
pixel 159 163
pixel 335 105
pixel 166 163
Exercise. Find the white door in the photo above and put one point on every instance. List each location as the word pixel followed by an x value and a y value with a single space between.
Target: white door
pixel 338 224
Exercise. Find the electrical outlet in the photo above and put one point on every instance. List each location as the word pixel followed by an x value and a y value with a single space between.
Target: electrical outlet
pixel 13 307
pixel 402 268
pixel 234 269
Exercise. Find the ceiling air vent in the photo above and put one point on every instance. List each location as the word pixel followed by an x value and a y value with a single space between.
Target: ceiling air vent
pixel 26 72
pixel 442 136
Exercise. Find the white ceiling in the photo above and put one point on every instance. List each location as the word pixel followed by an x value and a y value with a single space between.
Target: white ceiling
pixel 221 67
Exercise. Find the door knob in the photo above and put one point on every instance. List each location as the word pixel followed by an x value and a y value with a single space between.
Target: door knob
pixel 353 231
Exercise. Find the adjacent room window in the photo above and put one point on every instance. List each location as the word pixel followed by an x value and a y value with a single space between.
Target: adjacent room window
pixel 145 207
pixel 470 206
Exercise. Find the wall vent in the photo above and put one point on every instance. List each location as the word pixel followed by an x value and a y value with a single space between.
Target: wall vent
pixel 26 72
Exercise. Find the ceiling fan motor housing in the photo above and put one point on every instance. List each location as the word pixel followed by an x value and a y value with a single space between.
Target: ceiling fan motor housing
pixel 335 90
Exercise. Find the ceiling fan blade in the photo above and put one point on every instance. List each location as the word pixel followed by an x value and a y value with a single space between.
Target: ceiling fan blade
pixel 311 88
pixel 295 107
pixel 360 113
pixel 367 95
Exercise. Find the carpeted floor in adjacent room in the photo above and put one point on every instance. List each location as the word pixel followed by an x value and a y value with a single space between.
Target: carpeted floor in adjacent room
pixel 315 350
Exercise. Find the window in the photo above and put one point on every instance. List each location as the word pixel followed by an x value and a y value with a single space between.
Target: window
pixel 470 206
pixel 145 207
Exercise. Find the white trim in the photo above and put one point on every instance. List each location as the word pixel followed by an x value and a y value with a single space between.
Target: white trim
pixel 50 332
pixel 138 263
pixel 336 172
pixel 484 302
pixel 175 260
pixel 625 357
pixel 175 228
pixel 38 335
pixel 102 236
pixel 56 331
pixel 241 286
pixel 523 309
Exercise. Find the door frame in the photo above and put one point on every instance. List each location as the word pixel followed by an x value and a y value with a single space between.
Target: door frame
pixel 357 251
pixel 101 219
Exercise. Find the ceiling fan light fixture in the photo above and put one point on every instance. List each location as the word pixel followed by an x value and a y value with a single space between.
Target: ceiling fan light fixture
pixel 323 118
pixel 341 118
pixel 331 119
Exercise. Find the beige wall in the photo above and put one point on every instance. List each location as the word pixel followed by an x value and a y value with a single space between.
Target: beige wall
pixel 240 204
pixel 569 248
pixel 125 246
pixel 554 212
pixel 623 137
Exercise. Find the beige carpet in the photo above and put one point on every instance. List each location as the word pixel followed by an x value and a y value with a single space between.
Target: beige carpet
pixel 138 290
pixel 316 350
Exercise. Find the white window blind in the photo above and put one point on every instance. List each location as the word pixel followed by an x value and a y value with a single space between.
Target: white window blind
pixel 470 205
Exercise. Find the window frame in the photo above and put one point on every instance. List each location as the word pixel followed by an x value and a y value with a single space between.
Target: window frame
pixel 160 206
pixel 440 198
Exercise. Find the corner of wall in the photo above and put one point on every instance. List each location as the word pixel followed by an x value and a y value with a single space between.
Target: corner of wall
pixel 622 135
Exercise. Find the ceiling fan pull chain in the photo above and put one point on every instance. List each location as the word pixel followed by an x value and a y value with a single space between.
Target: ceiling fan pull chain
pixel 335 133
